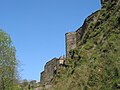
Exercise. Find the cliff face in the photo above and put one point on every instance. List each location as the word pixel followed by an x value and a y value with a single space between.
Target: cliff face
pixel 94 61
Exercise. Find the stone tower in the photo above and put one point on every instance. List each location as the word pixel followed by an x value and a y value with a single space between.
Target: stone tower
pixel 70 42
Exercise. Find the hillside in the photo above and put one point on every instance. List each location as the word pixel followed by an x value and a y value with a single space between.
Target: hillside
pixel 94 64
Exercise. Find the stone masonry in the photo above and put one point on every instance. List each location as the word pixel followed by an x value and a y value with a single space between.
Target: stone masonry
pixel 70 42
pixel 50 70
pixel 73 38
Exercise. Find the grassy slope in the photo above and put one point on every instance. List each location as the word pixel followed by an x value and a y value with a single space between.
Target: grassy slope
pixel 96 62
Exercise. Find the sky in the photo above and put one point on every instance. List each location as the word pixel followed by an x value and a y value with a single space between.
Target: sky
pixel 37 29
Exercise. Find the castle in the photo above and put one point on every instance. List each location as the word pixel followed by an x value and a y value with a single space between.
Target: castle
pixel 72 40
pixel 50 70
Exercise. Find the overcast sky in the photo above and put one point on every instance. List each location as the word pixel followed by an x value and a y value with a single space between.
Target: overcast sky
pixel 38 27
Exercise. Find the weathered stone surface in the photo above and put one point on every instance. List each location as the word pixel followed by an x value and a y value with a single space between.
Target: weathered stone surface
pixel 73 38
pixel 50 70
pixel 42 74
pixel 84 35
pixel 80 32
pixel 70 42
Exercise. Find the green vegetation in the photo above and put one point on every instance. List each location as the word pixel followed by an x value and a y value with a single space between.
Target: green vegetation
pixel 8 63
pixel 95 63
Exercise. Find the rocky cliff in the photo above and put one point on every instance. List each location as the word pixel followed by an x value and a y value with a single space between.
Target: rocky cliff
pixel 93 53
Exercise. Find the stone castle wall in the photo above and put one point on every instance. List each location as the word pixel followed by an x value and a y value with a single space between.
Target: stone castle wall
pixel 50 71
pixel 80 32
pixel 72 40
